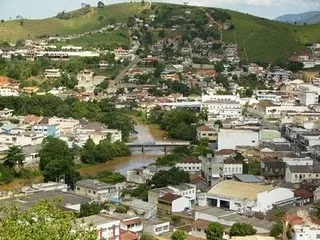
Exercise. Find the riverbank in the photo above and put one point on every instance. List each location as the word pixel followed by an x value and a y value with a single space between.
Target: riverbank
pixel 137 159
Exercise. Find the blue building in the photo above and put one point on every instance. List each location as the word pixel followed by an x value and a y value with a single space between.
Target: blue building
pixel 48 130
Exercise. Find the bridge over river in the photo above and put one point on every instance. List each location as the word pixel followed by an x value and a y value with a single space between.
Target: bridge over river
pixel 162 144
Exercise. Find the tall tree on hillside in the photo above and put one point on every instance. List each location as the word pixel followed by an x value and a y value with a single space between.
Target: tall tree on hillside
pixel 14 157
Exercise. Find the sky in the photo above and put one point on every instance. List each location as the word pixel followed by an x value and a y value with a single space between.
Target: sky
pixel 35 9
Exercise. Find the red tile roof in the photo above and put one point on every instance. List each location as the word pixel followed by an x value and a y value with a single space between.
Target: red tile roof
pixel 191 160
pixel 169 197
pixel 128 236
pixel 293 219
pixel 303 193
pixel 224 152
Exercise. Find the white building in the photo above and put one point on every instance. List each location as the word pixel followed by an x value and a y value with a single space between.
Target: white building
pixel 301 226
pixel 96 190
pixel 173 203
pixel 222 109
pixel 246 197
pixel 52 73
pixel 156 227
pixel 6 113
pixel 65 124
pixel 23 139
pixel 309 94
pixel 231 138
pixel 299 173
pixel 120 54
pixel 190 164
pixel 8 92
pixel 184 189
pixel 107 228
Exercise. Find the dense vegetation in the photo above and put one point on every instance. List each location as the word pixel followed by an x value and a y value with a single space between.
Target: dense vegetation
pixel 51 223
pixel 180 123
pixel 49 105
pixel 104 151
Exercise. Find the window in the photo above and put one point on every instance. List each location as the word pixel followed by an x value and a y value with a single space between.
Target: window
pixel 89 191
pixel 94 192
pixel 78 189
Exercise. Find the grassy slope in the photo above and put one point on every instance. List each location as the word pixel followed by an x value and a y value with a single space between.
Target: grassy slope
pixel 268 40
pixel 259 39
pixel 12 31
pixel 113 39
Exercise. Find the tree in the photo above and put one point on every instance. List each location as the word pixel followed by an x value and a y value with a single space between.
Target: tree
pixel 88 151
pixel 89 209
pixel 162 34
pixel 219 67
pixel 43 221
pixel 218 123
pixel 178 235
pixel 174 176
pixel 6 174
pixel 14 157
pixel 242 229
pixel 56 161
pixel 214 231
pixel 100 4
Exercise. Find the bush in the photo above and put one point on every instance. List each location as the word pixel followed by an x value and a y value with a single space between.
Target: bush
pixel 6 174
pixel 276 229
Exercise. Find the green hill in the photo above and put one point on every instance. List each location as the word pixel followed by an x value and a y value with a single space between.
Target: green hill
pixel 257 38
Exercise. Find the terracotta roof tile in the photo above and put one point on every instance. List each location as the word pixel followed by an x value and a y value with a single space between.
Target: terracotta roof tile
pixel 303 193
pixel 128 236
pixel 132 221
pixel 224 152
pixel 191 160
pixel 169 197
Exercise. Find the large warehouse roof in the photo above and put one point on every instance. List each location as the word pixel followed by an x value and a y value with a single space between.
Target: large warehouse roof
pixel 238 190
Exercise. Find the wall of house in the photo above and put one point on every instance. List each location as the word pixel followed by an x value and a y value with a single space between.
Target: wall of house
pixel 189 167
pixel 157 228
pixel 109 230
pixel 230 169
pixel 199 233
pixel 180 204
pixel 306 233
pixel 265 200
pixel 229 139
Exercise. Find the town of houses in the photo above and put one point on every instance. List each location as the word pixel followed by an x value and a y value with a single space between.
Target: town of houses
pixel 276 128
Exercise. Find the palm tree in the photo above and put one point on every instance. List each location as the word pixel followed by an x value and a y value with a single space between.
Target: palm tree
pixel 14 157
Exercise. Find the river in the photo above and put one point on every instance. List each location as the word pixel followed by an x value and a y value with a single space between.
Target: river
pixel 137 159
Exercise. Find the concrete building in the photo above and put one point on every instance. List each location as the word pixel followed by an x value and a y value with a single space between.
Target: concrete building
pixel 23 139
pixel 199 228
pixel 156 227
pixel 230 138
pixel 309 94
pixel 268 135
pixel 47 130
pixel 247 197
pixel 278 75
pixel 6 113
pixel 107 228
pixel 8 92
pixel 184 189
pixel 300 173
pixel 190 164
pixel 301 226
pixel 67 125
pixel 216 169
pixel 96 190
pixel 147 209
pixel 139 175
pixel 170 203
pixel 207 132
pixel 52 73
pixel 222 109
pixel 98 132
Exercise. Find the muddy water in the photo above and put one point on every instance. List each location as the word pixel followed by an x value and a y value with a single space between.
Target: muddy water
pixel 137 159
